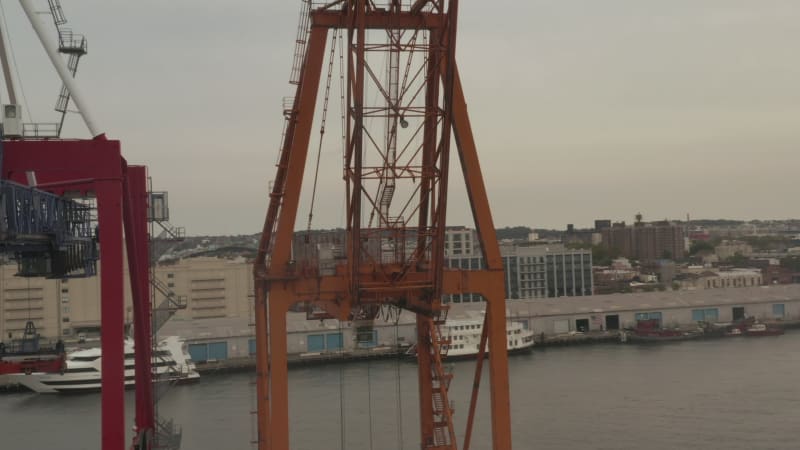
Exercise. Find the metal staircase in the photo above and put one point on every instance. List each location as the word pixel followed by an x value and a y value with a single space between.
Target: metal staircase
pixel 70 44
pixel 167 435
pixel 444 437
pixel 63 96
pixel 300 42
pixel 57 12
pixel 170 304
pixel 158 215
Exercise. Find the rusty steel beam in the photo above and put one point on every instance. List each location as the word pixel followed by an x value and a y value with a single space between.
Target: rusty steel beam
pixel 276 426
pixel 413 280
pixel 379 20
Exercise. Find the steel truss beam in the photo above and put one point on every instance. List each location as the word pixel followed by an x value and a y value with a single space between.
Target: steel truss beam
pixel 416 281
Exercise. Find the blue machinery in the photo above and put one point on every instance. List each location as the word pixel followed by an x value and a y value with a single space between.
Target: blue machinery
pixel 47 235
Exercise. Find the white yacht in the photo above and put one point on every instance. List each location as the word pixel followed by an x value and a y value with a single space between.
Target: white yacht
pixel 465 337
pixel 171 362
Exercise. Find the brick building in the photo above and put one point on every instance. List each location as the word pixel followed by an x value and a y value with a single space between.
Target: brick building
pixel 646 241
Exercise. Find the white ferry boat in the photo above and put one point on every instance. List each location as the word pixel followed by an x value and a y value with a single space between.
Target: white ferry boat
pixel 465 337
pixel 171 362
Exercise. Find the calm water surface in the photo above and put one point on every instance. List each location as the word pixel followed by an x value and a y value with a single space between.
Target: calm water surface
pixel 736 394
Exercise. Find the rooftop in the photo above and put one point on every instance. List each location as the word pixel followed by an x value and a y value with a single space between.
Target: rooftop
pixel 645 301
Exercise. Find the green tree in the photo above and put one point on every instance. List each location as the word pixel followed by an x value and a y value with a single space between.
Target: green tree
pixel 737 260
pixel 791 262
pixel 603 256
pixel 513 233
pixel 700 246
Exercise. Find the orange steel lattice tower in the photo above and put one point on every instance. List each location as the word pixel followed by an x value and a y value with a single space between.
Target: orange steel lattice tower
pixel 396 180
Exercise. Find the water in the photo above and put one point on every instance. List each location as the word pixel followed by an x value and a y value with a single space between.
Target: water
pixel 735 394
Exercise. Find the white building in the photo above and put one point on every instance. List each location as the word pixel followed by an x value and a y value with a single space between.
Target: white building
pixel 535 271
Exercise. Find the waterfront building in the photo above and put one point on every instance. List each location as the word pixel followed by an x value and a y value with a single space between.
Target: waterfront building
pixel 210 288
pixel 777 274
pixel 535 271
pixel 217 320
pixel 646 241
pixel 717 279
pixel 461 241
pixel 729 249
pixel 57 307
pixel 213 341
pixel 779 303
pixel 581 237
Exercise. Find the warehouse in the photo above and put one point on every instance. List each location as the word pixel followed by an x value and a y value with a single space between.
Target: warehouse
pixel 212 340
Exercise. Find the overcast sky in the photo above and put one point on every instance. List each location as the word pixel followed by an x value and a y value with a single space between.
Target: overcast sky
pixel 581 109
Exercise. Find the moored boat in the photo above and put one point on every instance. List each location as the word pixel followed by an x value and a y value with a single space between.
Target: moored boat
pixel 760 329
pixel 465 338
pixel 663 336
pixel 171 362
pixel 650 331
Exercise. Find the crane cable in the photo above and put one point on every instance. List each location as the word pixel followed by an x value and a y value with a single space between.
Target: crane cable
pixel 342 110
pixel 397 375
pixel 29 299
pixel 342 102
pixel 322 126
pixel 369 393
pixel 343 430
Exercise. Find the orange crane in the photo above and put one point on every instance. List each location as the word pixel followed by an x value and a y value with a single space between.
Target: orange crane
pixel 399 182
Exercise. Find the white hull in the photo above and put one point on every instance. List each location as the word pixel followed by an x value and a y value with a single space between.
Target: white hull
pixel 171 362
pixel 465 338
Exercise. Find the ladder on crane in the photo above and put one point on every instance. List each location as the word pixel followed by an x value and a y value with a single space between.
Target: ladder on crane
pixel 73 46
pixel 443 432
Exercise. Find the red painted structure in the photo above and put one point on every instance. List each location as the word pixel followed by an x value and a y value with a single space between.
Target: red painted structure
pixel 52 363
pixel 96 168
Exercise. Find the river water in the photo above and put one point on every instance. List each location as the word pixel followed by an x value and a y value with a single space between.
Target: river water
pixel 734 394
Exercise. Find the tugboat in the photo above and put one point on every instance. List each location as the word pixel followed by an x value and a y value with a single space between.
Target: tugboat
pixel 649 331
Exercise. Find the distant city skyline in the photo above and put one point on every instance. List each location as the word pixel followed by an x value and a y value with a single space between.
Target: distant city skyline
pixel 581 109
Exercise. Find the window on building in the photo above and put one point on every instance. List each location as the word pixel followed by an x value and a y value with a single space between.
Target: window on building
pixel 170 275
pixel 648 316
pixel 64 290
pixel 705 315
pixel 778 310
pixel 170 284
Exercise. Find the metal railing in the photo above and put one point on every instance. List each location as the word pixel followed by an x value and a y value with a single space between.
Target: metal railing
pixel 29 213
pixel 49 235
pixel 69 42
pixel 40 130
